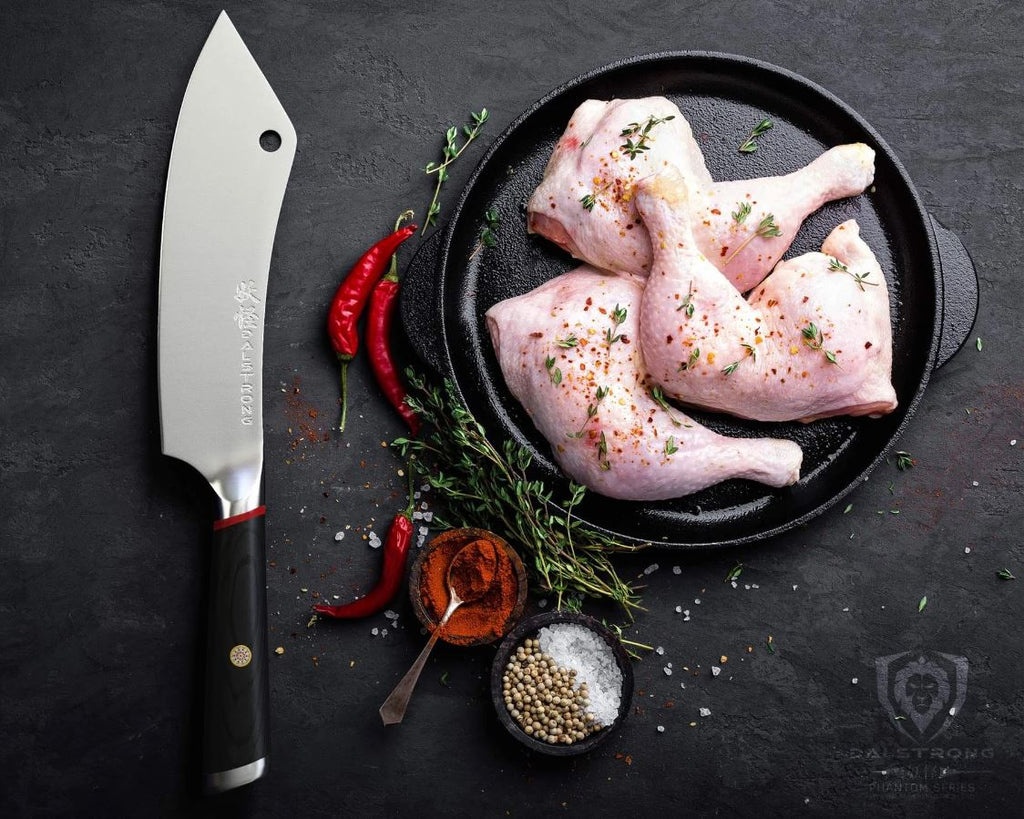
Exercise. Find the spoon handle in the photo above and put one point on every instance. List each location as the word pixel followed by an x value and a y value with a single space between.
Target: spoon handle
pixel 393 709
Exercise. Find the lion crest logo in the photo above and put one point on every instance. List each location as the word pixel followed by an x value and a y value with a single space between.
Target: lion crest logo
pixel 922 691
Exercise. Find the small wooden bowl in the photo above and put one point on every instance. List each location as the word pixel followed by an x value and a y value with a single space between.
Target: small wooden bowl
pixel 531 626
pixel 466 536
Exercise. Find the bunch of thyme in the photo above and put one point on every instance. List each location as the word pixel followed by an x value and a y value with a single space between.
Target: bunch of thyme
pixel 486 486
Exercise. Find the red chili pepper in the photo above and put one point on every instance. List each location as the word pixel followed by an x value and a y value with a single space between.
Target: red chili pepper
pixel 396 547
pixel 350 301
pixel 378 339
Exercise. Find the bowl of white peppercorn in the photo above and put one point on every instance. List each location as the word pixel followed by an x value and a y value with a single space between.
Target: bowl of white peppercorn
pixel 561 683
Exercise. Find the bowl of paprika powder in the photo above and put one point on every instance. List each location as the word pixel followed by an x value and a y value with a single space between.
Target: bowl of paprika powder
pixel 484 620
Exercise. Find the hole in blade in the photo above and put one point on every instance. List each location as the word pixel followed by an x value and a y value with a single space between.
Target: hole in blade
pixel 270 141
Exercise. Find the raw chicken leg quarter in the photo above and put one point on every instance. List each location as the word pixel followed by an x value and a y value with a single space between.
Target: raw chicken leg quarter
pixel 813 341
pixel 568 351
pixel 586 202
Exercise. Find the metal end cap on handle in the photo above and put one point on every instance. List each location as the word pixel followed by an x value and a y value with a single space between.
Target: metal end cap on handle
pixel 235 778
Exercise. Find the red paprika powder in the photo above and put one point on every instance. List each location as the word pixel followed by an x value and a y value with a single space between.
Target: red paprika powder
pixel 487 618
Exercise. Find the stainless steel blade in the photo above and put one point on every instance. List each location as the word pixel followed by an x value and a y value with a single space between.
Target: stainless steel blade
pixel 223 198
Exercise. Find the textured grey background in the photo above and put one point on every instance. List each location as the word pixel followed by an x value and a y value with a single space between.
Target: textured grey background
pixel 101 538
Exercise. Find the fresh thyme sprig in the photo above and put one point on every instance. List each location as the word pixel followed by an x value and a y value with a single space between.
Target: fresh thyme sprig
pixel 687 303
pixel 486 486
pixel 589 200
pixel 642 133
pixel 659 398
pixel 451 151
pixel 742 212
pixel 751 353
pixel 489 235
pixel 750 146
pixel 592 407
pixel 766 229
pixel 693 359
pixel 618 317
pixel 904 460
pixel 816 341
pixel 860 278
pixel 568 342
pixel 554 373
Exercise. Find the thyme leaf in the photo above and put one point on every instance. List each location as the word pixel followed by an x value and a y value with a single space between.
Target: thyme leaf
pixel 1005 574
pixel 750 145
pixel 687 303
pixel 693 359
pixel 904 461
pixel 860 278
pixel 815 340
pixel 568 342
pixel 670 446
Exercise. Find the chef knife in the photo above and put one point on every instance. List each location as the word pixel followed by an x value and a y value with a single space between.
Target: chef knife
pixel 232 153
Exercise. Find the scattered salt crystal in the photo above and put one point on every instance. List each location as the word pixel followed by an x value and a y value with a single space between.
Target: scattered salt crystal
pixel 425 487
pixel 668 671
pixel 374 631
pixel 669 664
pixel 686 619
pixel 383 632
pixel 686 612
pixel 579 649
pixel 424 530
pixel 854 680
pixel 794 587
pixel 715 671
pixel 660 651
pixel 847 608
pixel 303 509
pixel 705 712
pixel 423 505
pixel 952 711
pixel 697 601
pixel 683 686
pixel 967 550
pixel 735 585
pixel 661 729
pixel 374 540
pixel 428 516
pixel 391 614
pixel 676 570
pixel 974 483
pixel 679 609
pixel 1013 442
pixel 651 569
pixel 415 495
pixel 746 586
pixel 417 516
pixel 754 586
pixel 543 603
pixel 336 596
pixel 339 535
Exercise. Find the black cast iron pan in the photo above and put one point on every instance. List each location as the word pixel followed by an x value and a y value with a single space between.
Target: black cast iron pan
pixel 932 283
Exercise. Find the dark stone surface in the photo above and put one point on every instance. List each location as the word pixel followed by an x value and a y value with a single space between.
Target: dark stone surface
pixel 102 538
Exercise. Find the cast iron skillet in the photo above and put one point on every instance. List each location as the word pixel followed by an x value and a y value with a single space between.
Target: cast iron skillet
pixel 932 283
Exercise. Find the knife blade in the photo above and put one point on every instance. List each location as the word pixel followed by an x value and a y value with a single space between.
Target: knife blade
pixel 230 161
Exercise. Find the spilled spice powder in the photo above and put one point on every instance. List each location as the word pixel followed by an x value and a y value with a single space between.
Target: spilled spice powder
pixel 482 620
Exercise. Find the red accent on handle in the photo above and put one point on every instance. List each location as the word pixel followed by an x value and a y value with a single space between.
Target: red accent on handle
pixel 231 521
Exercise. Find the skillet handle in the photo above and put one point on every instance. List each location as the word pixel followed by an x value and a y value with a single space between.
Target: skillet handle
pixel 959 292
pixel 420 304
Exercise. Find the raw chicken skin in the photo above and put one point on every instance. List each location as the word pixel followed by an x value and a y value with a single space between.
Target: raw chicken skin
pixel 648 452
pixel 589 159
pixel 763 359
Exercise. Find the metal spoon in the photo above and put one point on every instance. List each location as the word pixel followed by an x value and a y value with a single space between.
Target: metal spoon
pixel 393 709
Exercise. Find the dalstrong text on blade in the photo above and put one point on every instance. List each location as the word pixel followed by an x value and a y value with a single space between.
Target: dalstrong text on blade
pixel 248 320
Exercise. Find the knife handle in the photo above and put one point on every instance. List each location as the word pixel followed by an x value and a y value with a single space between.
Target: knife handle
pixel 236 719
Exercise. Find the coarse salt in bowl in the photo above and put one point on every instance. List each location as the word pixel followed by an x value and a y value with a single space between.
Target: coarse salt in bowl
pixel 577 643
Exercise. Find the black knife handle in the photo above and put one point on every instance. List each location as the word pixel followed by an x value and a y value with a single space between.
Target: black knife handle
pixel 236 718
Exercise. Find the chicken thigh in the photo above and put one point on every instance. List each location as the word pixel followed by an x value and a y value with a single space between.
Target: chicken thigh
pixel 568 351
pixel 814 339
pixel 586 205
